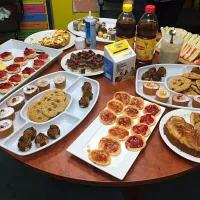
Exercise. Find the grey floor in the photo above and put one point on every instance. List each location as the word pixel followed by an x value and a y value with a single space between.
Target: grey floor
pixel 18 182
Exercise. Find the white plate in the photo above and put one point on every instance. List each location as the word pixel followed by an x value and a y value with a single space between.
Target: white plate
pixel 65 67
pixel 89 139
pixel 67 121
pixel 36 37
pixel 110 23
pixel 186 115
pixel 17 48
pixel 172 71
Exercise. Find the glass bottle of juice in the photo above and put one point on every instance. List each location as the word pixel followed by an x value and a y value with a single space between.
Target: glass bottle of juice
pixel 126 25
pixel 146 37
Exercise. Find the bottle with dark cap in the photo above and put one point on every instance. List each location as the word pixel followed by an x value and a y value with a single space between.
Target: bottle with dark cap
pixel 146 37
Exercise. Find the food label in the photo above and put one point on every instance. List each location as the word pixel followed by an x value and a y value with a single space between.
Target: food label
pixel 145 49
pixel 129 40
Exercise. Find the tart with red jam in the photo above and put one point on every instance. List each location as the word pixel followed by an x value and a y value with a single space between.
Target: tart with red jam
pixel 132 111
pixel 141 129
pixel 16 79
pixel 6 56
pixel 37 64
pixel 125 121
pixel 124 97
pixel 28 71
pixel 138 102
pixel 13 69
pixel 6 87
pixel 107 117
pixel 99 157
pixel 152 109
pixel 116 106
pixel 21 60
pixel 3 75
pixel 43 56
pixel 120 132
pixel 147 119
pixel 135 143
pixel 30 53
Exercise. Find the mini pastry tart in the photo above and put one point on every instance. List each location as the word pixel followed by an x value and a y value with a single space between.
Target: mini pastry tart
pixel 124 97
pixel 16 102
pixel 43 56
pixel 196 101
pixel 107 117
pixel 37 64
pixel 110 145
pixel 53 132
pixel 24 143
pixel 135 143
pixel 150 88
pixel 41 140
pixel 22 61
pixel 7 113
pixel 131 111
pixel 13 69
pixel 27 72
pixel 162 95
pixel 30 53
pixel 30 91
pixel 120 132
pixel 6 128
pixel 138 102
pixel 125 121
pixel 30 132
pixel 116 106
pixel 60 82
pixel 3 75
pixel 141 129
pixel 180 100
pixel 43 84
pixel 5 87
pixel 99 157
pixel 16 79
pixel 6 56
pixel 152 108
pixel 147 119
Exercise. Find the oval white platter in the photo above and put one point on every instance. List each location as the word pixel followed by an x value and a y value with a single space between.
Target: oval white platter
pixel 173 70
pixel 186 115
pixel 110 23
pixel 36 37
pixel 88 73
pixel 66 121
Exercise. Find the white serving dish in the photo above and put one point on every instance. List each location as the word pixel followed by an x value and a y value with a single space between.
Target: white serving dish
pixel 17 48
pixel 110 23
pixel 67 120
pixel 186 115
pixel 36 37
pixel 88 73
pixel 173 70
pixel 89 139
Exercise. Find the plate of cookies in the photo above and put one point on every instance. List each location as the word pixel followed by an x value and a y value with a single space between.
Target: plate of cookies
pixel 170 85
pixel 116 137
pixel 44 111
pixel 20 62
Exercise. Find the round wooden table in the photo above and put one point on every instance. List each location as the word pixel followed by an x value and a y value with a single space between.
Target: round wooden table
pixel 156 162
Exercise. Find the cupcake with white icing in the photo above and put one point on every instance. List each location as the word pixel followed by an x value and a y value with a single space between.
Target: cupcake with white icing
pixel 196 101
pixel 6 128
pixel 180 100
pixel 30 91
pixel 16 102
pixel 7 113
pixel 43 84
pixel 60 82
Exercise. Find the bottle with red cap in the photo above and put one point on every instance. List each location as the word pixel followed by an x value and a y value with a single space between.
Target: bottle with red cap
pixel 146 37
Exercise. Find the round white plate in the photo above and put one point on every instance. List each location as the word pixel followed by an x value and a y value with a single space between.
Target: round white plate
pixel 65 67
pixel 186 115
pixel 36 37
pixel 110 23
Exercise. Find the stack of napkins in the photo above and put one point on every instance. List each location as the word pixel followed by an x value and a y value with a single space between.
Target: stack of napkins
pixel 4 13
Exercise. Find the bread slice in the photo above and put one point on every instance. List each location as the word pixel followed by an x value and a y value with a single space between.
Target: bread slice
pixel 195 120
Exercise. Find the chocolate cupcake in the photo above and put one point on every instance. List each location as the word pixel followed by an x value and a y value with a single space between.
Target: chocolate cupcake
pixel 53 132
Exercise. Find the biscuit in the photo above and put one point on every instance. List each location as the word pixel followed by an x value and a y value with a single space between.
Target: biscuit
pixel 179 84
pixel 52 93
pixel 198 84
pixel 190 91
pixel 195 88
pixel 50 109
pixel 191 75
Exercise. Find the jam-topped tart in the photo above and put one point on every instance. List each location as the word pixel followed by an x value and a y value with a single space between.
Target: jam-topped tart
pixel 147 119
pixel 135 143
pixel 13 69
pixel 152 109
pixel 16 79
pixel 43 56
pixel 5 87
pixel 125 121
pixel 116 106
pixel 21 60
pixel 6 56
pixel 99 157
pixel 107 117
pixel 110 145
pixel 141 129
pixel 120 132
pixel 138 102
pixel 132 111
pixel 3 75
pixel 27 72
pixel 124 97
pixel 30 53
pixel 38 63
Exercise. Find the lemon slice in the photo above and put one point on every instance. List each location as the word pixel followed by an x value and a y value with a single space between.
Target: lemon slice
pixel 2 66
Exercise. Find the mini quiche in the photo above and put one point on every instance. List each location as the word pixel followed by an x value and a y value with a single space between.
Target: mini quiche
pixel 135 143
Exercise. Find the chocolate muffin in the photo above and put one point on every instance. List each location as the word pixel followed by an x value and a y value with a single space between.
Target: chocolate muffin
pixel 41 140
pixel 53 132
pixel 24 143
pixel 30 132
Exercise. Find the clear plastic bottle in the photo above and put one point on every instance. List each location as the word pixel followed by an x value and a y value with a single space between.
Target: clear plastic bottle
pixel 146 37
pixel 126 25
